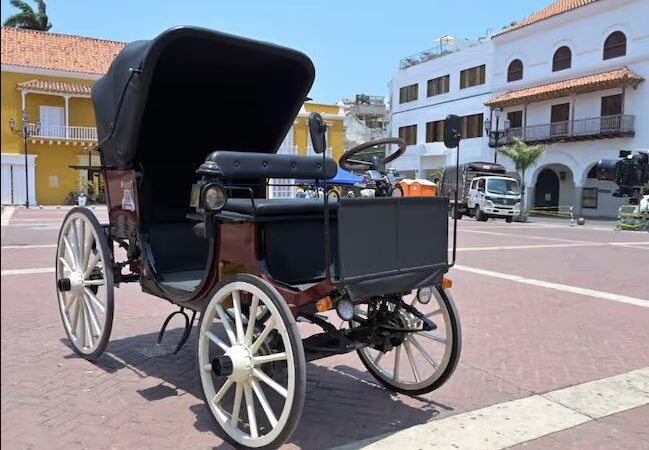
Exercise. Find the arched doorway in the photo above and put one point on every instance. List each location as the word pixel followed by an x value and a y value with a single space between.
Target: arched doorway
pixel 547 189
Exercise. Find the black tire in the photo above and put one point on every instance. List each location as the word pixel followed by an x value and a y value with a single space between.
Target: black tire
pixel 454 213
pixel 454 358
pixel 107 271
pixel 479 215
pixel 297 349
pixel 509 219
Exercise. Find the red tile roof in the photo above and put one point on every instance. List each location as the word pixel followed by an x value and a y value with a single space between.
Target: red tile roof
pixel 57 87
pixel 43 50
pixel 606 80
pixel 554 9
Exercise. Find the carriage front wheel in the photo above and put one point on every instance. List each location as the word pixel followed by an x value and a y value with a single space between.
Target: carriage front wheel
pixel 253 372
pixel 84 282
pixel 422 361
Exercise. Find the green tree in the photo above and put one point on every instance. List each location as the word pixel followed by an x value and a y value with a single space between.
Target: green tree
pixel 27 18
pixel 524 156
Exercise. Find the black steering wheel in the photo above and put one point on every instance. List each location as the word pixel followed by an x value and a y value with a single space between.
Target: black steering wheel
pixel 347 163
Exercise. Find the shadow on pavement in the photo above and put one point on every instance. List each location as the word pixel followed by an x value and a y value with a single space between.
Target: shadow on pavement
pixel 343 404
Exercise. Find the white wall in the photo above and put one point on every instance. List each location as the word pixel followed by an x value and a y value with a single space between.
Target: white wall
pixel 584 31
pixel 425 109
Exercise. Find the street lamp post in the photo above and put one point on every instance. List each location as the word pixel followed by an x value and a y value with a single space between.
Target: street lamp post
pixel 25 132
pixel 495 134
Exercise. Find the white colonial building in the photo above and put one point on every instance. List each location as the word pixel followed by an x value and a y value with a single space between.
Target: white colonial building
pixel 571 77
pixel 453 78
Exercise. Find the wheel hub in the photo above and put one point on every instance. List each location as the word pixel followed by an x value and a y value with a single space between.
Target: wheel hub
pixel 236 364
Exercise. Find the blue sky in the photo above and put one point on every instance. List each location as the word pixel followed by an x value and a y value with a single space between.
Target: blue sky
pixel 355 45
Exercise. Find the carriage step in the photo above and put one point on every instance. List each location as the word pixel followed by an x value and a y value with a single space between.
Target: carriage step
pixel 321 345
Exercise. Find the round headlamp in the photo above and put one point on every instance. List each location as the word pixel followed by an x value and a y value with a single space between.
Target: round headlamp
pixel 213 197
pixel 424 295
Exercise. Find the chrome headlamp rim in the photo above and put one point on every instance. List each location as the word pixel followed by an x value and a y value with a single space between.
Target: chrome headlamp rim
pixel 204 192
pixel 424 295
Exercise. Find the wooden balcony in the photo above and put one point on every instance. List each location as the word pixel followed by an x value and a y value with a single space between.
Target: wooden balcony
pixel 602 127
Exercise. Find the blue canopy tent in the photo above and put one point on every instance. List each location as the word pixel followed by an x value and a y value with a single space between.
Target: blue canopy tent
pixel 342 177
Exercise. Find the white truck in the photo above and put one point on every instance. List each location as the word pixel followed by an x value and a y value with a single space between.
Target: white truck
pixel 485 190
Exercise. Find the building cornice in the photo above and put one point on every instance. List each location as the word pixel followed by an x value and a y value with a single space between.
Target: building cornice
pixel 49 72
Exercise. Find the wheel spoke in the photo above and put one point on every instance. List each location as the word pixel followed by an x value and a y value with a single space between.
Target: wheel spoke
pixel 214 338
pixel 69 250
pixel 75 318
pixel 94 299
pixel 378 357
pixel 87 246
pixel 397 355
pixel 66 264
pixel 94 259
pixel 431 314
pixel 238 323
pixel 259 360
pixel 86 322
pixel 251 321
pixel 413 364
pixel 432 337
pixel 224 389
pixel 94 321
pixel 424 353
pixel 250 407
pixel 259 392
pixel 98 282
pixel 226 324
pixel 270 382
pixel 81 242
pixel 75 240
pixel 236 408
pixel 81 334
pixel 270 326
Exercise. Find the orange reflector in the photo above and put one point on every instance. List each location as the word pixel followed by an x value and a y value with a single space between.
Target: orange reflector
pixel 324 305
pixel 447 283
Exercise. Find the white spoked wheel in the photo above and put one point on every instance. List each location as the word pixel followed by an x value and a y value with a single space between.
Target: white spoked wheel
pixel 420 362
pixel 253 373
pixel 84 283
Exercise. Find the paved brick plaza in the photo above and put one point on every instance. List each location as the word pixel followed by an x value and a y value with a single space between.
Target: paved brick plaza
pixel 518 339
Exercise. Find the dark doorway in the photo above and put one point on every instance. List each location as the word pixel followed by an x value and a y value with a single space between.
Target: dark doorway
pixel 547 189
pixel 559 116
pixel 611 112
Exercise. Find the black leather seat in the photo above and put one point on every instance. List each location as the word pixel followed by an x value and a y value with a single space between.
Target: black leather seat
pixel 279 206
pixel 246 165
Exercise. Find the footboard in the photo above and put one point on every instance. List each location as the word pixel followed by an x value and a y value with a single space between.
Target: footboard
pixel 391 245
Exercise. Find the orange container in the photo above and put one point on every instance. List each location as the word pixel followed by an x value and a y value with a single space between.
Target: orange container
pixel 418 188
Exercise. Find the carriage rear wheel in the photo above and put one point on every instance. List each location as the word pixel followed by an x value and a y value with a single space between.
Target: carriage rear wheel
pixel 253 372
pixel 84 283
pixel 425 360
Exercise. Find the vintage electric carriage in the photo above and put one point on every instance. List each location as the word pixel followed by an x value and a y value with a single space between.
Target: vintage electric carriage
pixel 189 126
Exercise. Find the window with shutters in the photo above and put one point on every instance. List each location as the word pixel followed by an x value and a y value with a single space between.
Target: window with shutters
pixel 515 70
pixel 435 131
pixel 472 126
pixel 408 93
pixel 409 134
pixel 472 77
pixel 562 59
pixel 615 45
pixel 437 86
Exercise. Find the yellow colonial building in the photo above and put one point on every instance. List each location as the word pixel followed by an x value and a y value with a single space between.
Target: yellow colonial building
pixel 46 82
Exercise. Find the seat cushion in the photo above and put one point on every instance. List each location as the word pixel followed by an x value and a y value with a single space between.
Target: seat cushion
pixel 279 206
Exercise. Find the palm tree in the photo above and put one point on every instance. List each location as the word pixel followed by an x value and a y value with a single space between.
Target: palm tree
pixel 524 156
pixel 27 18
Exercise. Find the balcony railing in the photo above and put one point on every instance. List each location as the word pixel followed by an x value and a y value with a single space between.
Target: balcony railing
pixel 73 133
pixel 575 130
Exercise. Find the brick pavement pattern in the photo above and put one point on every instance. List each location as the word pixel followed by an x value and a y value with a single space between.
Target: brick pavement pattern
pixel 518 340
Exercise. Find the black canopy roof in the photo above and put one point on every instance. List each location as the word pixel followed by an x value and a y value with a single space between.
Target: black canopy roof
pixel 190 91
